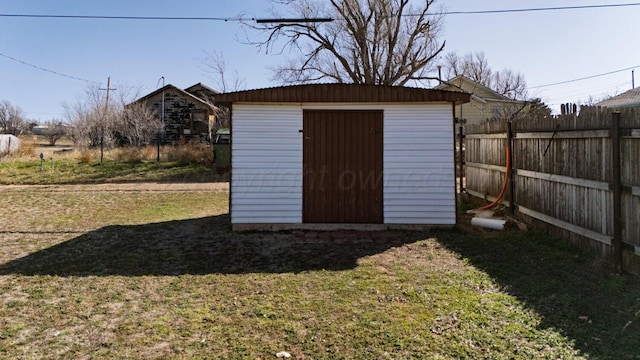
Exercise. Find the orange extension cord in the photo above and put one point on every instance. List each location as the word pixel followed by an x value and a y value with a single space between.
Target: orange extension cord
pixel 504 184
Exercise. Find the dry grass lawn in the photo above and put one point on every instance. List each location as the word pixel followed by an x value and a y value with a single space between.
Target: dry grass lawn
pixel 63 164
pixel 153 271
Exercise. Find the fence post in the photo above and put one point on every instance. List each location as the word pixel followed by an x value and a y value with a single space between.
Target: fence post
pixel 512 198
pixel 617 191
pixel 461 156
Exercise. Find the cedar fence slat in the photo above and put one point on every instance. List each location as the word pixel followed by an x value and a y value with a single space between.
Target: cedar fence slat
pixel 565 176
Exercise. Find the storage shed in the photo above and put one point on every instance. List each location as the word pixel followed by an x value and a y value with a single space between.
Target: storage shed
pixel 342 156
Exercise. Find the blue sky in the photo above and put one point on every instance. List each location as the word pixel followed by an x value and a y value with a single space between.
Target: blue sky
pixel 545 46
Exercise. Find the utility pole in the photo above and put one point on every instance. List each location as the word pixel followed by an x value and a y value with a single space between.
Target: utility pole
pixel 106 116
pixel 159 136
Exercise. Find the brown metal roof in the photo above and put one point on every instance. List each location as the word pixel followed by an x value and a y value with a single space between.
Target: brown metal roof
pixel 342 93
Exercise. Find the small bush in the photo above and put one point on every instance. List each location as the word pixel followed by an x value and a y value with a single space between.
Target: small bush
pixel 184 153
pixel 134 154
pixel 26 149
pixel 190 153
pixel 149 152
pixel 85 156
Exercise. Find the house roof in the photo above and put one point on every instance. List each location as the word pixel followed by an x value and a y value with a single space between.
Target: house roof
pixel 626 99
pixel 200 85
pixel 478 91
pixel 342 93
pixel 176 89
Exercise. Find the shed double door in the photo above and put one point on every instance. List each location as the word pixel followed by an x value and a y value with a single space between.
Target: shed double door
pixel 342 166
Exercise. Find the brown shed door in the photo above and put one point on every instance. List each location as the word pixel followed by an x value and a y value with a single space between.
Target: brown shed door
pixel 342 162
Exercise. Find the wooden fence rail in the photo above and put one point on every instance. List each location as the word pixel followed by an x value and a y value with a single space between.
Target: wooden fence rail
pixel 578 174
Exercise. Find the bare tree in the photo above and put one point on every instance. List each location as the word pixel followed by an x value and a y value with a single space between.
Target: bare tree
pixel 84 123
pixel 53 131
pixel 137 125
pixel 12 119
pixel 91 120
pixel 85 118
pixel 226 79
pixel 476 67
pixel 382 42
pixel 510 84
pixel 472 65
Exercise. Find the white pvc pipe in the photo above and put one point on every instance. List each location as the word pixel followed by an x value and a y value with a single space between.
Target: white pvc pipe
pixel 495 224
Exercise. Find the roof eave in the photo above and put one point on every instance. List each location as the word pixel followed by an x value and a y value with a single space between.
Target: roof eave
pixel 342 93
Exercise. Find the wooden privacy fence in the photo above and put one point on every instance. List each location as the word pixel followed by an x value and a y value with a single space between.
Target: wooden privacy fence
pixel 578 173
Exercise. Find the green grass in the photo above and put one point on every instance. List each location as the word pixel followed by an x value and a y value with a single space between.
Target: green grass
pixel 71 171
pixel 153 274
pixel 62 164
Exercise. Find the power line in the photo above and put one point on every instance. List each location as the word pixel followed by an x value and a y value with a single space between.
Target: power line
pixel 539 9
pixel 591 92
pixel 67 76
pixel 580 96
pixel 583 78
pixel 47 70
pixel 106 17
pixel 241 19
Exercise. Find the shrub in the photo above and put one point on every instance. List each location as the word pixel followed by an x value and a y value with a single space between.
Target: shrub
pixel 26 149
pixel 190 153
pixel 85 156
pixel 134 154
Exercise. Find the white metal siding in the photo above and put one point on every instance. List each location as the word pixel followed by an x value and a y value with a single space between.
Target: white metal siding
pixel 266 163
pixel 418 168
pixel 419 173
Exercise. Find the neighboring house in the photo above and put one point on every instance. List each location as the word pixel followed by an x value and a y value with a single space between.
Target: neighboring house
pixel 485 103
pixel 186 114
pixel 348 156
pixel 629 98
pixel 203 92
